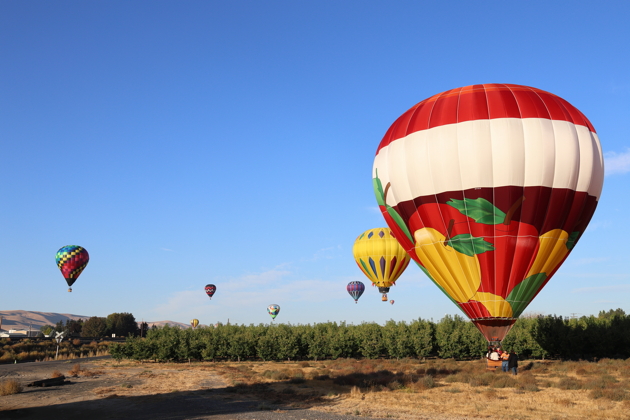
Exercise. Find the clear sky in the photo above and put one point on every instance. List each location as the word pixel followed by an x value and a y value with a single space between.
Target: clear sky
pixel 232 142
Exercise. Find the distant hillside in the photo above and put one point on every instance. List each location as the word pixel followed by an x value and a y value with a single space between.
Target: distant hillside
pixel 21 320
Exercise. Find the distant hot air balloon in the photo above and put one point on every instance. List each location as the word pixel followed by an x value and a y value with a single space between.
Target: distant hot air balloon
pixel 380 257
pixel 356 289
pixel 489 188
pixel 391 301
pixel 71 260
pixel 210 289
pixel 273 310
pixel 194 323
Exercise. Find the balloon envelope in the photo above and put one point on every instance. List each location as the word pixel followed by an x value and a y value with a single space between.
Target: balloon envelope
pixel 380 257
pixel 210 289
pixel 194 323
pixel 71 260
pixel 273 310
pixel 356 289
pixel 489 188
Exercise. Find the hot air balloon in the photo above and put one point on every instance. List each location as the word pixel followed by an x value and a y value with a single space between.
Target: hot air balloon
pixel 210 289
pixel 71 260
pixel 273 310
pixel 489 188
pixel 391 301
pixel 356 289
pixel 194 323
pixel 380 257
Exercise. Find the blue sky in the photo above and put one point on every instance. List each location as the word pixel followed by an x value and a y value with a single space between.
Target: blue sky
pixel 186 143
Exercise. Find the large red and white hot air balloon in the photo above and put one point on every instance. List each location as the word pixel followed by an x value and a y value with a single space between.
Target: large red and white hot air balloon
pixel 489 188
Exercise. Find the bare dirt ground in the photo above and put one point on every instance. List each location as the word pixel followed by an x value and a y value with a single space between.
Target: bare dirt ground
pixel 130 390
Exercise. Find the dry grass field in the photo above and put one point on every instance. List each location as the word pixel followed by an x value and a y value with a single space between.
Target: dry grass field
pixel 404 389
pixel 409 389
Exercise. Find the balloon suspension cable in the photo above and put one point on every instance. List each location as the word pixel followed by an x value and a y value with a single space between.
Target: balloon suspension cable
pixel 495 343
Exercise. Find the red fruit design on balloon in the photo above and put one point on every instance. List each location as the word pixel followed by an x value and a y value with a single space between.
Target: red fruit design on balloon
pixel 491 265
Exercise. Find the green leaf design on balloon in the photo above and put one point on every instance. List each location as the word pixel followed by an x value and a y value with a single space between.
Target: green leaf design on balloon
pixel 480 209
pixel 469 245
pixel 573 237
pixel 380 199
pixel 524 292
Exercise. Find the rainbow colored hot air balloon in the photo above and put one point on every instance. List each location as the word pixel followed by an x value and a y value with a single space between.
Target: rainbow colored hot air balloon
pixel 380 257
pixel 489 188
pixel 273 310
pixel 356 289
pixel 71 260
pixel 210 289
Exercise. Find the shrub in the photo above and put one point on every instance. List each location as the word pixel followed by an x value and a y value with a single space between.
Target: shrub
pixel 503 381
pixel 275 375
pixel 426 382
pixel 10 387
pixel 76 369
pixel 56 374
pixel 569 382
pixel 613 394
pixel 601 382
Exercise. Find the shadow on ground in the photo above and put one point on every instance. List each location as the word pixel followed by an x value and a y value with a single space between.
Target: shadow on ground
pixel 243 402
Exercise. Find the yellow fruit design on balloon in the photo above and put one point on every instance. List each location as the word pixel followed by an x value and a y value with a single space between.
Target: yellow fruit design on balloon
pixel 496 305
pixel 458 274
pixel 552 250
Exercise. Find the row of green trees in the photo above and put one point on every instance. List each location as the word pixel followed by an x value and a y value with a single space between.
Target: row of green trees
pixel 607 335
pixel 122 324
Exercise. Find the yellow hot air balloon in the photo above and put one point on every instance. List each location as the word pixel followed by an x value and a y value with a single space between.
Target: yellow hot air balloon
pixel 381 258
pixel 194 323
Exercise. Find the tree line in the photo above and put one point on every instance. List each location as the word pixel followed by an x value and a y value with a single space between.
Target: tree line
pixel 605 335
pixel 121 324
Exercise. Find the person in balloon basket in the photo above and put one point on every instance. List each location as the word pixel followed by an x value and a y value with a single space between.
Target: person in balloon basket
pixel 513 362
pixel 504 361
pixel 492 354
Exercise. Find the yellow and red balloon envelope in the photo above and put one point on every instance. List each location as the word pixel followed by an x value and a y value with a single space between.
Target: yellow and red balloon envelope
pixel 489 188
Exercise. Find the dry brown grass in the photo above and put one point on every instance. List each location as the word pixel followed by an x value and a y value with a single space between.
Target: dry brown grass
pixel 56 374
pixel 405 389
pixel 10 387
pixel 74 372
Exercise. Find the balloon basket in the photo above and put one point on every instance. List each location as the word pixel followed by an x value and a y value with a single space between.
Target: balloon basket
pixel 69 289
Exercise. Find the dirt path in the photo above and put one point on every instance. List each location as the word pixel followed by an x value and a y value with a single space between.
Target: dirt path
pixel 104 390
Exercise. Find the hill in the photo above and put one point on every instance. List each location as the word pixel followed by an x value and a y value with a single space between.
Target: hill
pixel 22 320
